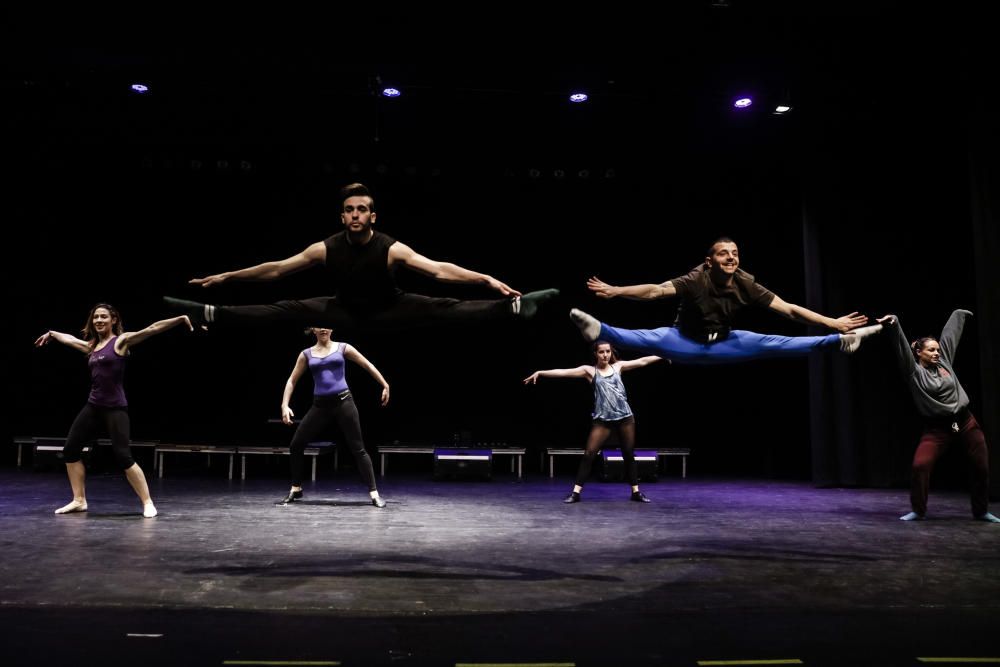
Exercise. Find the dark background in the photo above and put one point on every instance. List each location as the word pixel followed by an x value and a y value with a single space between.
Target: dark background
pixel 872 195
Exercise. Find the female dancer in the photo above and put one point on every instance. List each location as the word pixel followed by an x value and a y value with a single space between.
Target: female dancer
pixel 106 346
pixel 942 402
pixel 611 411
pixel 332 404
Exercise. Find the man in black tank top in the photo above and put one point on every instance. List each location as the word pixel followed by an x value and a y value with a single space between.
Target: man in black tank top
pixel 361 262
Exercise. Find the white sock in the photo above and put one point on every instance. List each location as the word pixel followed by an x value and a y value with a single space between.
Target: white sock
pixel 589 326
pixel 75 506
pixel 149 510
pixel 515 305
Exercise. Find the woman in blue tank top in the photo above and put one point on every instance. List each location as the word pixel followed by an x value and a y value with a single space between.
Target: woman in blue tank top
pixel 332 406
pixel 611 412
pixel 106 345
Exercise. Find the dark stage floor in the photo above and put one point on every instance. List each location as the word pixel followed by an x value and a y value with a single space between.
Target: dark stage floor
pixel 490 572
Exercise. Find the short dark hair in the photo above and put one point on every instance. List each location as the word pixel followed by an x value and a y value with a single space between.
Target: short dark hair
pixel 721 239
pixel 356 190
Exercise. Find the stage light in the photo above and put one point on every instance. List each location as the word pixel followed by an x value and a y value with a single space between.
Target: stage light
pixel 578 97
pixel 781 109
pixel 391 92
pixel 743 103
pixel 139 88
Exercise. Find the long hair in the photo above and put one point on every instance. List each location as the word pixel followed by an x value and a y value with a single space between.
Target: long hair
pixel 614 352
pixel 356 190
pixel 917 345
pixel 88 331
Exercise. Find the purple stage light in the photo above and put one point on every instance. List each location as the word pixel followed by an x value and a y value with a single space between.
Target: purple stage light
pixel 743 103
pixel 391 92
pixel 139 88
pixel 579 97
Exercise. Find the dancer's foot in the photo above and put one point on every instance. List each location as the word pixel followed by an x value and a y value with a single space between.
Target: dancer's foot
pixel 290 498
pixel 378 502
pixel 573 497
pixel 589 326
pixel 75 506
pixel 851 341
pixel 639 497
pixel 912 516
pixel 526 306
pixel 200 314
pixel 989 518
pixel 148 510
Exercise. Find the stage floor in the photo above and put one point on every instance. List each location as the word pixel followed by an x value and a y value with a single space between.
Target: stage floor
pixel 490 572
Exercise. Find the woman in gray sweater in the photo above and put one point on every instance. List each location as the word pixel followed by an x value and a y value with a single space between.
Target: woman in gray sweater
pixel 926 364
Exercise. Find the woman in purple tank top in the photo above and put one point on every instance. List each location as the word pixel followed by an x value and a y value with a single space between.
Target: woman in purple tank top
pixel 332 407
pixel 611 412
pixel 106 346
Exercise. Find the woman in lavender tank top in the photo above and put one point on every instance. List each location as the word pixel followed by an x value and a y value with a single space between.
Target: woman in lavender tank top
pixel 106 345
pixel 333 406
pixel 611 412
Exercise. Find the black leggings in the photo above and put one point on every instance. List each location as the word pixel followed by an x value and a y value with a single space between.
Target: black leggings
pixel 407 311
pixel 86 426
pixel 326 412
pixel 599 433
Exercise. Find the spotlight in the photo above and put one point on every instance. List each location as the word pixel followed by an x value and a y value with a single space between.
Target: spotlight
pixel 578 97
pixel 781 109
pixel 743 103
pixel 391 92
pixel 139 88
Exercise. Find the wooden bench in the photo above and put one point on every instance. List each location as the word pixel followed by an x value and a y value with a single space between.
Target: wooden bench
pixel 683 452
pixel 517 454
pixel 314 449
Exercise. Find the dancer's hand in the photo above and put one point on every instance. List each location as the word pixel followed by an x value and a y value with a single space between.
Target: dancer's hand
pixel 43 339
pixel 286 415
pixel 209 281
pixel 601 288
pixel 503 288
pixel 385 396
pixel 532 379
pixel 888 320
pixel 845 323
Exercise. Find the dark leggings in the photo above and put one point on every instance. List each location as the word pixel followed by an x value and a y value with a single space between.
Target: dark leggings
pixel 326 412
pixel 934 443
pixel 86 426
pixel 599 433
pixel 407 311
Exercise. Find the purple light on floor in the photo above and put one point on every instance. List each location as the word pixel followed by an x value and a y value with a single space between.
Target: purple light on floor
pixel 578 97
pixel 743 103
pixel 139 88
pixel 391 92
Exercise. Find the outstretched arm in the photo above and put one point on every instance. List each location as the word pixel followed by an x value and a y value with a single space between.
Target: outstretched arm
pixel 130 338
pixel 792 311
pixel 578 372
pixel 444 271
pixel 65 339
pixel 300 367
pixel 314 254
pixel 353 355
pixel 951 334
pixel 900 346
pixel 646 291
pixel 629 364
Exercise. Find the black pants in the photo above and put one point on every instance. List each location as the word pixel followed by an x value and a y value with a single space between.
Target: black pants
pixel 599 433
pixel 407 311
pixel 87 425
pixel 327 412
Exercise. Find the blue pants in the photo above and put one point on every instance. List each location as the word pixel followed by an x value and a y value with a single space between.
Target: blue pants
pixel 667 342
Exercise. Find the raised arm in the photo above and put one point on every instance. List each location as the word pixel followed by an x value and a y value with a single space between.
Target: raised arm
pixel 646 291
pixel 627 365
pixel 951 334
pixel 578 372
pixel 351 354
pixel 300 367
pixel 792 311
pixel 132 338
pixel 314 254
pixel 900 345
pixel 65 339
pixel 444 271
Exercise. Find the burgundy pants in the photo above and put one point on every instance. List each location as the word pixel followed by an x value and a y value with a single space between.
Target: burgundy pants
pixel 934 442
